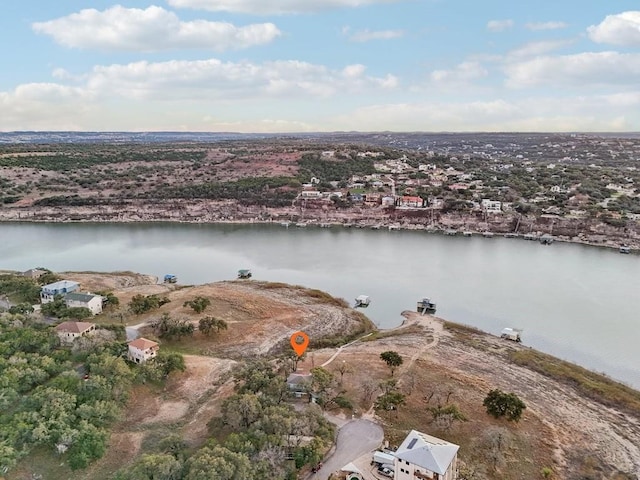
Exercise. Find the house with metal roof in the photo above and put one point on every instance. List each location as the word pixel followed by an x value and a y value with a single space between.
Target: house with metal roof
pixel 48 292
pixel 84 300
pixel 422 456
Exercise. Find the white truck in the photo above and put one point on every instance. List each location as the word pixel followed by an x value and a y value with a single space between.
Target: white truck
pixel 382 458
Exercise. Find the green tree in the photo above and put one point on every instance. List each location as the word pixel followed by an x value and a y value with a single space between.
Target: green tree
pixel 241 410
pixel 390 401
pixel 89 444
pixel 392 359
pixel 501 404
pixel 198 304
pixel 208 325
pixel 153 467
pixel 219 463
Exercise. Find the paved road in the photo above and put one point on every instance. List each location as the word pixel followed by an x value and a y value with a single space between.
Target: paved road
pixel 354 440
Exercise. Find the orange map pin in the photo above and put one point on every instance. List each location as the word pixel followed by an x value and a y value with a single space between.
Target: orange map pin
pixel 299 342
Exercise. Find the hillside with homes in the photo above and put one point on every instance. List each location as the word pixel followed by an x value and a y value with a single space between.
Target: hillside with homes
pixel 574 187
pixel 188 382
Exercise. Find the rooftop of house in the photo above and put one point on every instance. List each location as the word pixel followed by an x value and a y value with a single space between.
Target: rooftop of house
pixel 61 284
pixel 74 327
pixel 428 452
pixel 298 377
pixel 142 343
pixel 80 297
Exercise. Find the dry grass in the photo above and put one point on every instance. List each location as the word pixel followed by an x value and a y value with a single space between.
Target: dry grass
pixel 591 384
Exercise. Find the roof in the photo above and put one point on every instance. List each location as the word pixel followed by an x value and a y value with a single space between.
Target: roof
pixel 74 327
pixel 297 378
pixel 142 343
pixel 427 452
pixel 62 284
pixel 80 297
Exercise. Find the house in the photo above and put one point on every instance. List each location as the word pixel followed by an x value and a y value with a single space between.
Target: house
pixel 409 201
pixel 388 201
pixel 84 300
pixel 141 350
pixel 491 206
pixel 69 331
pixel 34 273
pixel 48 292
pixel 372 199
pixel 297 383
pixel 422 456
pixel 311 194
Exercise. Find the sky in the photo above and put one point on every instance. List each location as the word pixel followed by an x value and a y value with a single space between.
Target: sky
pixel 320 65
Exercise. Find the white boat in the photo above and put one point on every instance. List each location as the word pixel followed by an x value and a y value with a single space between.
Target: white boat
pixel 362 301
pixel 511 334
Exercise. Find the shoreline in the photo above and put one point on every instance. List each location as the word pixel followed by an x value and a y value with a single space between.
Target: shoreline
pixel 598 241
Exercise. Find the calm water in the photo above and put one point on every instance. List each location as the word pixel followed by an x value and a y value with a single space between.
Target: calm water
pixel 578 303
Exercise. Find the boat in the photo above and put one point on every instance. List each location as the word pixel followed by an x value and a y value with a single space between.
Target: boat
pixel 244 273
pixel 285 224
pixel 625 249
pixel 487 234
pixel 467 233
pixel 450 232
pixel 511 334
pixel 301 224
pixel 530 236
pixel 511 235
pixel 375 227
pixel 426 306
pixel 362 301
pixel 325 225
pixel 394 227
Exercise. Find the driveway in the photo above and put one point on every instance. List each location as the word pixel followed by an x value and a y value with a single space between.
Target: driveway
pixel 355 438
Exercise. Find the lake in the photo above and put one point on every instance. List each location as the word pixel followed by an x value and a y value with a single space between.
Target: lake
pixel 577 302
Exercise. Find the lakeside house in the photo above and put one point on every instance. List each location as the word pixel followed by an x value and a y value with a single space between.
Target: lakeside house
pixel 421 456
pixel 62 287
pixel 141 350
pixel 411 201
pixel 84 300
pixel 69 331
pixel 491 206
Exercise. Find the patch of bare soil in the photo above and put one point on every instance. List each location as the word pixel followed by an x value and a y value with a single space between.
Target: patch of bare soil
pixel 95 282
pixel 260 317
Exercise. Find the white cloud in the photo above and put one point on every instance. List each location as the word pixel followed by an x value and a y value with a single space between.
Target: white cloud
pixel 368 35
pixel 45 106
pixel 214 79
pixel 151 29
pixel 582 69
pixel 536 26
pixel 499 25
pixel 532 49
pixel 270 7
pixel 463 73
pixel 621 29
pixel 532 114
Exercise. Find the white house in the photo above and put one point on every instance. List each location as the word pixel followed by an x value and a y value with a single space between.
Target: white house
pixel 491 206
pixel 69 331
pixel 84 300
pixel 422 456
pixel 48 292
pixel 141 350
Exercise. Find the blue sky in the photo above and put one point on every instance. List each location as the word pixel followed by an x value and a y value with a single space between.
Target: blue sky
pixel 320 65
